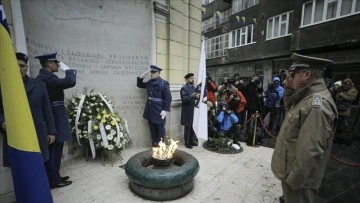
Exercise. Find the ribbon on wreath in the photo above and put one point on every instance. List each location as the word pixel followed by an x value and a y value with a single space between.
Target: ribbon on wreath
pixel 107 103
pixel 103 133
pixel 91 141
pixel 78 113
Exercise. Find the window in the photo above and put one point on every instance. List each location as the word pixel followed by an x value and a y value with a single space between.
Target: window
pixel 279 26
pixel 318 11
pixel 217 46
pixel 223 16
pixel 243 36
pixel 206 2
pixel 239 5
pixel 207 24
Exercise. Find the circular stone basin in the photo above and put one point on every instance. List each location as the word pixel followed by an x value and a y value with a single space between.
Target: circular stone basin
pixel 161 182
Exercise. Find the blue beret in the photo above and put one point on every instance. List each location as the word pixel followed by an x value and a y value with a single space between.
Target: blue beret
pixel 303 62
pixel 48 57
pixel 155 68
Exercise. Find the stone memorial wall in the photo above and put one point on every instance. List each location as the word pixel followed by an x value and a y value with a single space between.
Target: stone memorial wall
pixel 107 42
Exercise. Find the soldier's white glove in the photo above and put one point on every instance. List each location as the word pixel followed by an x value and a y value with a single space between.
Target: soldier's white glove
pixel 163 114
pixel 144 74
pixel 64 67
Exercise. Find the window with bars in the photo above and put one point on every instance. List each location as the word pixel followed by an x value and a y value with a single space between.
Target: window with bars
pixel 318 11
pixel 243 36
pixel 217 46
pixel 279 26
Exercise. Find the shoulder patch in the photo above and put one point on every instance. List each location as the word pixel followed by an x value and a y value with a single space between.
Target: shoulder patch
pixel 316 100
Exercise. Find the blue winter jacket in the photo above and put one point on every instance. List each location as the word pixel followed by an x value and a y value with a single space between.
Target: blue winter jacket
pixel 226 121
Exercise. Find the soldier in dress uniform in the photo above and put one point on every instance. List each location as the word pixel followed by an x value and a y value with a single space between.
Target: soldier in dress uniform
pixel 188 98
pixel 55 87
pixel 40 110
pixel 157 104
pixel 304 142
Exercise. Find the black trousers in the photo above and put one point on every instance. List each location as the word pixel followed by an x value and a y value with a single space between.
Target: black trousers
pixel 189 135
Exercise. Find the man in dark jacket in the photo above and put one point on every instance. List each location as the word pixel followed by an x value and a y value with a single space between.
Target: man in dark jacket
pixel 158 103
pixel 55 87
pixel 40 110
pixel 188 97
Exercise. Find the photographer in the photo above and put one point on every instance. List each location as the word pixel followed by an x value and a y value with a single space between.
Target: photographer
pixel 273 94
pixel 254 97
pixel 212 122
pixel 239 84
pixel 211 88
pixel 227 121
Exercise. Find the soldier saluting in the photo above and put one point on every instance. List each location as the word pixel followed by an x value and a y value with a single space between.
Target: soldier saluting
pixel 157 104
pixel 55 87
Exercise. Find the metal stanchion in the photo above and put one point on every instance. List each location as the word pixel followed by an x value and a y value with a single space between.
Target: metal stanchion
pixel 254 137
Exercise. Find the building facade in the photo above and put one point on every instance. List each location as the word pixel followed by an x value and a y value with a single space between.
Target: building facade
pixel 248 36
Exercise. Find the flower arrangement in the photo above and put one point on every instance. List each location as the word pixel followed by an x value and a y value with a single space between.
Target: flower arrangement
pixel 95 125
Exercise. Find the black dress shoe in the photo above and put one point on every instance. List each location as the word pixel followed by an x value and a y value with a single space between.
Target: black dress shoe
pixel 194 143
pixel 65 178
pixel 61 184
pixel 189 146
pixel 282 199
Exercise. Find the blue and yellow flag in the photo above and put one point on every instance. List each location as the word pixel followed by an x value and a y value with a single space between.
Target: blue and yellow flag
pixel 27 166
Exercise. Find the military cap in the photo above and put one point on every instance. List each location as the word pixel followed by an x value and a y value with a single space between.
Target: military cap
pixel 155 68
pixel 304 62
pixel 22 57
pixel 188 75
pixel 48 57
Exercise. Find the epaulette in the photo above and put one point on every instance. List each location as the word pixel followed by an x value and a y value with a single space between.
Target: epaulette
pixel 316 100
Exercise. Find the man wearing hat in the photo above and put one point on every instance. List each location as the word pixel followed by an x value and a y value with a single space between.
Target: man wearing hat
pixel 55 87
pixel 157 104
pixel 188 97
pixel 304 142
pixel 40 110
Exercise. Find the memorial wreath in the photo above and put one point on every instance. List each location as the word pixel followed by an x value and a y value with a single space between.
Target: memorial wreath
pixel 95 125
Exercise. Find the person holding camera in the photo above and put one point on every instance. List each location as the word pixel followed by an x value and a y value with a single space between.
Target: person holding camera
pixel 254 97
pixel 239 84
pixel 228 123
pixel 344 97
pixel 273 94
pixel 211 88
pixel 212 122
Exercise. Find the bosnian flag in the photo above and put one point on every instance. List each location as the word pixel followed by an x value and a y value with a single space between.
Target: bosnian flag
pixel 27 166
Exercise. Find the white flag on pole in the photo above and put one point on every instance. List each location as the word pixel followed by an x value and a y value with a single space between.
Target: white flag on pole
pixel 200 110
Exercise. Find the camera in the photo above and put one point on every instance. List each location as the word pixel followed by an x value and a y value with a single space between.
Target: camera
pixel 271 87
pixel 228 81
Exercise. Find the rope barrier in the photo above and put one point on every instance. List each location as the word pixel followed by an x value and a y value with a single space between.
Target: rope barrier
pixel 272 136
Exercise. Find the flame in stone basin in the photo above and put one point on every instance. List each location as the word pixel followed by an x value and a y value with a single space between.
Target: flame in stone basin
pixel 164 152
